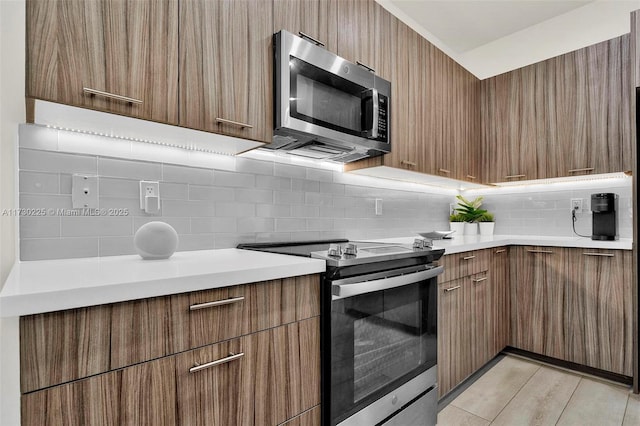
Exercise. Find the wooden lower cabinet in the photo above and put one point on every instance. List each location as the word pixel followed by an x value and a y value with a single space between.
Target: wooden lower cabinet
pixel 473 315
pixel 277 378
pixel 574 305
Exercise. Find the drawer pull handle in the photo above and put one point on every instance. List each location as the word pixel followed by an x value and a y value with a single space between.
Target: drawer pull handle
pixel 111 95
pixel 540 251
pixel 500 251
pixel 408 163
pixel 468 258
pixel 514 176
pixel 311 39
pixel 471 177
pixel 451 288
pixel 216 303
pixel 230 358
pixel 599 254
pixel 233 123
pixel 585 169
pixel 445 171
pixel 478 280
pixel 365 66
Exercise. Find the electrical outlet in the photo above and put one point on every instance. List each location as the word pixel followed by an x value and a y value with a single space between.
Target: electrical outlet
pixel 378 206
pixel 149 196
pixel 576 205
pixel 452 209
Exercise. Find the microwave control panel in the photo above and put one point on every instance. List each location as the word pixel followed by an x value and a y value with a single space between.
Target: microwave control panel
pixel 383 118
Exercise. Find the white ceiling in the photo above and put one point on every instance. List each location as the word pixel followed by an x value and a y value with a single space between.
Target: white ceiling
pixel 464 25
pixel 490 37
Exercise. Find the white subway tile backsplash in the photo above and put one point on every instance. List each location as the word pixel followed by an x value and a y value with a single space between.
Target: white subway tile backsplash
pixel 220 201
pixel 96 226
pixel 39 183
pixel 56 162
pixel 190 175
pixel 140 170
pixel 211 193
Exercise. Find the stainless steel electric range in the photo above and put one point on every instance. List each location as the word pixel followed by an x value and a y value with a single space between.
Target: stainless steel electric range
pixel 378 330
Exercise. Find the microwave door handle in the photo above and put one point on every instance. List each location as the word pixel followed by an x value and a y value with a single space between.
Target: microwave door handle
pixel 375 112
pixel 341 291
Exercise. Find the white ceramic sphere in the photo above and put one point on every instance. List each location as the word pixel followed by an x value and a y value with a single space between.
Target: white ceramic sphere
pixel 156 240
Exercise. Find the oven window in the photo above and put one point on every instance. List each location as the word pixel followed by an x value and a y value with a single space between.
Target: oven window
pixel 386 346
pixel 379 341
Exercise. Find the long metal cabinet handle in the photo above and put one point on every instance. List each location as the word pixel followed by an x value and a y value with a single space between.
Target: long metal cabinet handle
pixel 478 280
pixel 217 362
pixel 445 171
pixel 514 176
pixel 111 95
pixel 452 288
pixel 216 303
pixel 585 169
pixel 233 123
pixel 599 254
pixel 341 291
pixel 468 258
pixel 408 163
pixel 311 39
pixel 501 251
pixel 366 66
pixel 471 177
pixel 540 251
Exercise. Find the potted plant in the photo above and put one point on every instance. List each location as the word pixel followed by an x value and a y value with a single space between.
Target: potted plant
pixel 470 211
pixel 486 224
pixel 456 223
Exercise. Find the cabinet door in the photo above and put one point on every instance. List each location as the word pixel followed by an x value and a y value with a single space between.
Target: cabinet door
pixel 315 18
pixel 226 67
pixel 122 48
pixel 499 277
pixel 481 295
pixel 356 31
pixel 538 279
pixel 276 378
pixel 143 394
pixel 598 322
pixel 454 334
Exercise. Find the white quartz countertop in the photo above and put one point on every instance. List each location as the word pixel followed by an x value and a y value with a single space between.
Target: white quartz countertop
pixel 462 243
pixel 52 285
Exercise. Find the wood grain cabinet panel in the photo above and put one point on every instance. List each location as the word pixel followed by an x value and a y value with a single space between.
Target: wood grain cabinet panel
pixel 123 48
pixel 566 116
pixel 143 394
pixel 499 278
pixel 538 280
pixel 598 310
pixel 226 67
pixel 481 320
pixel 59 347
pixel 464 264
pixel 315 18
pixel 311 417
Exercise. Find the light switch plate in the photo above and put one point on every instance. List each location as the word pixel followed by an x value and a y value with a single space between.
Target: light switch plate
pixel 84 191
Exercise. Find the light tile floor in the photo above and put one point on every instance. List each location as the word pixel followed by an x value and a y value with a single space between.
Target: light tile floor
pixel 518 392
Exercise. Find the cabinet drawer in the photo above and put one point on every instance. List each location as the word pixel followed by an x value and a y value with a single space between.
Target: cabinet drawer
pixel 463 264
pixel 59 347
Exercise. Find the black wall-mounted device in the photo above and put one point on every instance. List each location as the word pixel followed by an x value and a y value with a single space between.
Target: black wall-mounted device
pixel 604 207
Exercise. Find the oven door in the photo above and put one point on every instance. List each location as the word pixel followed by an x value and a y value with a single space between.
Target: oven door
pixel 382 341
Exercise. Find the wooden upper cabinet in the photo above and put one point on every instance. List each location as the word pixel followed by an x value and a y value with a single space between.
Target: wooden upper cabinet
pixel 566 116
pixel 226 67
pixel 357 31
pixel 315 18
pixel 123 48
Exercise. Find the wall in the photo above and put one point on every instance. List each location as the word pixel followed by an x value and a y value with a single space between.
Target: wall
pixel 233 200
pixel 12 48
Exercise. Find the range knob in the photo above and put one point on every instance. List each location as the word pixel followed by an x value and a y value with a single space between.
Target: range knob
pixel 335 250
pixel 351 249
pixel 422 244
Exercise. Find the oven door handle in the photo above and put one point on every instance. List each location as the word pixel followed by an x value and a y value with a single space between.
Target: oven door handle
pixel 341 291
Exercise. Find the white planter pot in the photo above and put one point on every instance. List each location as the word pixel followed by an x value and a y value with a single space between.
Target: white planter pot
pixel 458 227
pixel 470 229
pixel 486 228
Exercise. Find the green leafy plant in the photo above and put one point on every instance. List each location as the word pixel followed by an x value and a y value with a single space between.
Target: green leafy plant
pixel 470 210
pixel 456 217
pixel 486 217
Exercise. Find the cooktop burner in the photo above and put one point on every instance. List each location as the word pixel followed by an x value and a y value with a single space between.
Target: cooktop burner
pixel 345 253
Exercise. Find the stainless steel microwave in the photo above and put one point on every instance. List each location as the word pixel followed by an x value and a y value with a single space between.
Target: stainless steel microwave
pixel 326 107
